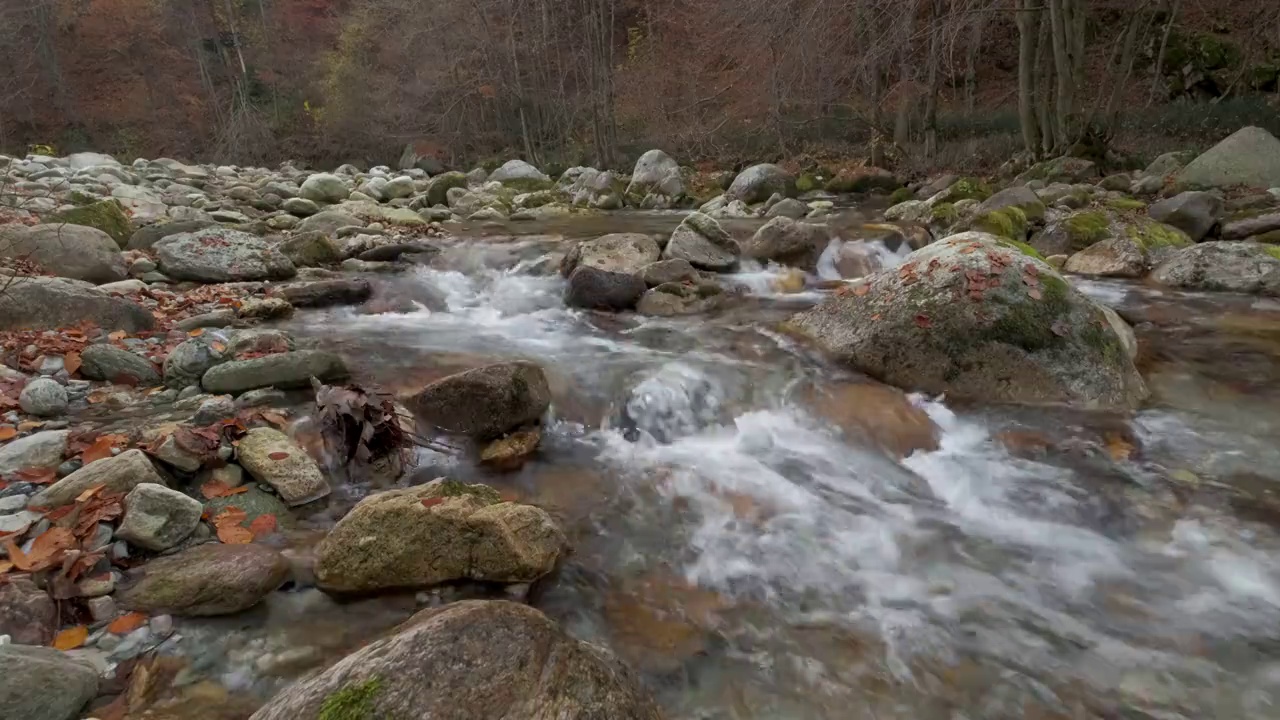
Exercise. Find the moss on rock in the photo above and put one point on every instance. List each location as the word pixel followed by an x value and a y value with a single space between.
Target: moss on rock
pixel 901 195
pixel 806 183
pixel 1125 204
pixel 352 702
pixel 109 216
pixel 944 214
pixel 1151 235
pixel 1009 223
pixel 1023 248
pixel 1087 228
pixel 528 185
pixel 1273 251
pixel 966 188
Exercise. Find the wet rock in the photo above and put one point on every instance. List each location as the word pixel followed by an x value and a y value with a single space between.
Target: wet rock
pixel 487 659
pixel 71 251
pixel 157 518
pixel 117 365
pixel 1115 257
pixel 325 293
pixel 985 322
pixel 485 402
pixel 38 683
pixel 1195 213
pixel 667 271
pixel 626 253
pixel 43 397
pixel 788 208
pixel 217 255
pixel 282 370
pixel 311 249
pixel 513 451
pixel 394 251
pixel 27 613
pixel 118 474
pixel 1240 267
pixel 684 298
pixel 700 240
pixel 783 240
pixel 879 413
pixel 1248 158
pixel 145 238
pixel 435 533
pixel 190 360
pixel 254 502
pixel 47 303
pixel 274 458
pixel 39 450
pixel 324 188
pixel 268 308
pixel 1251 226
pixel 591 288
pixel 758 182
pixel 206 580
pixel 855 260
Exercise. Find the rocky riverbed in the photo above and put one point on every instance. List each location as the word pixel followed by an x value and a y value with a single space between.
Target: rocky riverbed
pixel 372 444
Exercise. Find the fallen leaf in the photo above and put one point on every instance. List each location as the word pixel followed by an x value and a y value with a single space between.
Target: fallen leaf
pixel 5 566
pixel 923 321
pixel 29 425
pixel 97 396
pixel 231 515
pixel 215 489
pixel 218 346
pixel 71 362
pixel 1118 448
pixel 118 335
pixel 196 333
pixel 99 450
pixel 263 525
pixel 279 455
pixel 8 432
pixel 127 623
pixel 234 535
pixel 275 419
pixel 37 476
pixel 862 289
pixel 71 638
pixel 432 502
pixel 1035 294
pixel 88 494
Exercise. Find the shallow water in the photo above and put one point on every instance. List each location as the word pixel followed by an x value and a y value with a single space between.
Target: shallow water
pixel 753 561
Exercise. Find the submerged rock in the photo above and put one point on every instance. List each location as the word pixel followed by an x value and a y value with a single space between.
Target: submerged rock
pixel 975 318
pixel 274 458
pixel 786 241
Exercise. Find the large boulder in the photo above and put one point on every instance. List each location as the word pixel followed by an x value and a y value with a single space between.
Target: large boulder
pixel 655 181
pixel 311 249
pixel 591 288
pixel 38 683
pixel 485 402
pixel 1152 179
pixel 206 580
pixel 216 255
pixel 281 370
pixel 146 238
pixel 114 364
pixel 78 252
pixel 39 450
pixel 106 215
pixel 1194 213
pixel 485 660
pixel 44 303
pixel 1248 158
pixel 1020 197
pixel 1065 169
pixel 323 293
pixel 681 298
pixel 975 318
pixel 520 174
pixel 444 531
pixel 759 182
pixel 328 222
pixel 1132 246
pixel 273 458
pixel 324 188
pixel 786 241
pixel 1241 267
pixel 118 474
pixel 618 253
pixel 700 240
pixel 438 188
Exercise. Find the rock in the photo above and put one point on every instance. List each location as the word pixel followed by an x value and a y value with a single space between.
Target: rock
pixel 1115 257
pixel 105 215
pixel 985 323
pixel 510 453
pixel 909 211
pixel 1017 197
pixel 190 360
pixel 758 182
pixel 438 188
pixel 143 204
pixel 1194 213
pixel 1251 226
pixel 518 173
pixel 655 181
pixel 124 287
pixel 80 161
pixel 157 518
pixel 667 271
pixel 328 222
pixel 394 251
pixel 221 255
pixel 117 365
pixel 965 188
pixel 40 450
pixel 311 249
pixel 206 580
pixel 880 414
pixel 1240 267
pixel 625 253
pixel 43 397
pixel 324 188
pixel 1248 158
pixel 118 474
pixel 398 187
pixel 71 251
pixel 171 453
pixel 783 240
pixel 683 298
pixel 1120 182
pixel 1065 169
pixel 264 308
pixel 1082 229
pixel 700 240
pixel 146 238
pixel 274 458
pixel 254 502
pixel 788 208
pixel 324 293
pixel 38 683
pixel 27 613
pixel 591 288
pixel 488 214
pixel 301 207
pixel 281 370
pixel 440 532
pixel 487 659
pixel 485 402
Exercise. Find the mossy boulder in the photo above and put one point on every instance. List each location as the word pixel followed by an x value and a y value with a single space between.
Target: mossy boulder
pixel 1134 245
pixel 1195 213
pixel 1239 267
pixel 806 183
pixel 109 216
pixel 1024 200
pixel 443 531
pixel 1065 169
pixel 966 188
pixel 1248 158
pixel 901 195
pixel 1124 203
pixel 1009 223
pixel 438 187
pixel 207 580
pixel 1072 233
pixel 973 318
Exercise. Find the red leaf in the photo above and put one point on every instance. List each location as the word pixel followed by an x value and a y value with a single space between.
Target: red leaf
pixel 234 535
pixel 278 455
pixel 263 525
pixel 432 502
pixel 71 638
pixel 100 449
pixel 37 476
pixel 71 361
pixel 923 321
pixel 127 623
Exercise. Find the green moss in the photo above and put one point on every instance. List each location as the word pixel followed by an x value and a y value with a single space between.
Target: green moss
pixel 1028 323
pixel 1273 251
pixel 1009 223
pixel 453 488
pixel 352 702
pixel 943 214
pixel 839 185
pixel 1150 235
pixel 106 215
pixel 1023 248
pixel 901 195
pixel 528 185
pixel 806 183
pixel 1269 238
pixel 1087 227
pixel 1125 204
pixel 967 188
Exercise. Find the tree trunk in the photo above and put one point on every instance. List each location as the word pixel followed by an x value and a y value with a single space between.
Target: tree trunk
pixel 1060 25
pixel 1157 76
pixel 931 100
pixel 971 61
pixel 1044 84
pixel 1028 20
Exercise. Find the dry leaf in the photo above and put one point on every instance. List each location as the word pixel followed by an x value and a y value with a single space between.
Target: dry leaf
pixel 218 346
pixel 279 456
pixel 234 535
pixel 71 362
pixel 45 552
pixel 263 525
pixel 432 502
pixel 215 489
pixel 88 494
pixel 862 289
pixel 97 396
pixel 37 476
pixel 8 432
pixel 196 333
pixel 127 623
pixel 275 419
pixel 231 515
pixel 71 638
pixel 1118 448
pixel 5 566
pixel 99 450
pixel 118 335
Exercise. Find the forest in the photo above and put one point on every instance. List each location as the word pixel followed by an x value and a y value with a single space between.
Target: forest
pixel 932 82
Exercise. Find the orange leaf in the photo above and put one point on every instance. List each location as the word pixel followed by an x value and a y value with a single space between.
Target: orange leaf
pixel 215 489
pixel 71 638
pixel 71 361
pixel 118 335
pixel 218 346
pixel 234 535
pixel 862 289
pixel 100 449
pixel 263 525
pixel 278 455
pixel 8 432
pixel 275 419
pixel 97 396
pixel 127 623
pixel 229 516
pixel 196 333
pixel 88 494
pixel 432 502
pixel 37 476
pixel 5 566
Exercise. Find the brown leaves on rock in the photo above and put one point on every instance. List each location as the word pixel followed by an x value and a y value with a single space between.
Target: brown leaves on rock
pixel 101 448
pixel 432 501
pixel 127 623
pixel 230 528
pixel 71 638
pixel 215 489
pixel 46 551
pixel 279 456
pixel 72 362
pixel 262 526
pixel 358 426
pixel 923 321
pixel 37 476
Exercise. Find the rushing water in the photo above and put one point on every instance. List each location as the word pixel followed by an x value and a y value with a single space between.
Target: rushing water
pixel 753 561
